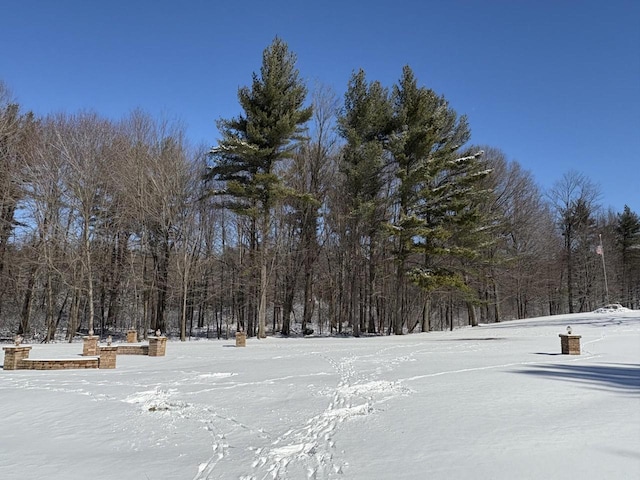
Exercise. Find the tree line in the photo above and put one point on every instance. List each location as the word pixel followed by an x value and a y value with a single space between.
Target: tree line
pixel 368 214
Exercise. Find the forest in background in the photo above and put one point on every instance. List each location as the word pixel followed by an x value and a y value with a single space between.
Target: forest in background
pixel 370 214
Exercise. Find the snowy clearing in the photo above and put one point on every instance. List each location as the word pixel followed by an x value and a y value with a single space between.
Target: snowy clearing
pixel 493 402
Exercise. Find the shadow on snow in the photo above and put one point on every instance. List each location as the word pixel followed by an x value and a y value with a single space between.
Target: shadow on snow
pixel 617 377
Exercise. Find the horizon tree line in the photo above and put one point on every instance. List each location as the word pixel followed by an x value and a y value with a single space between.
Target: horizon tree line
pixel 370 215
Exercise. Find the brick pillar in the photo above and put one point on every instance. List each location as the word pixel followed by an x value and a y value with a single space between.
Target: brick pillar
pixel 108 356
pixel 90 347
pixel 14 354
pixel 132 336
pixel 570 344
pixel 241 339
pixel 157 346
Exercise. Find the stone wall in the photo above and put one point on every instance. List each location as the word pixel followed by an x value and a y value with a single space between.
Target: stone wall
pixel 133 349
pixel 58 363
pixel 17 358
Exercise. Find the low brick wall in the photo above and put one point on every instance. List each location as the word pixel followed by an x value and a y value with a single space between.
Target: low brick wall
pixel 133 349
pixel 17 358
pixel 58 363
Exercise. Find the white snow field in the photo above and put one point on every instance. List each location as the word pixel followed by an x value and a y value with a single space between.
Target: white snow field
pixel 492 402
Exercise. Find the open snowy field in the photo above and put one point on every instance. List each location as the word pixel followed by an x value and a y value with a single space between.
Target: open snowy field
pixel 492 402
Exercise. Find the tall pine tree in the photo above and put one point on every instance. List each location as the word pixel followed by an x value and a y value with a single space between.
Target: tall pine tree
pixel 252 144
pixel 437 189
pixel 365 124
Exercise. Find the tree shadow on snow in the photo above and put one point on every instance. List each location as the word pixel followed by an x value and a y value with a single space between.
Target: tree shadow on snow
pixel 561 323
pixel 623 378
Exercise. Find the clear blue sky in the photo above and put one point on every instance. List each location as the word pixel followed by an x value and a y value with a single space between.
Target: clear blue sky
pixel 554 84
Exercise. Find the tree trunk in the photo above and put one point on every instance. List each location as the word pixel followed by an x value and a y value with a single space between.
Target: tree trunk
pixel 496 299
pixel 162 285
pixel 308 298
pixel 569 272
pixel 399 314
pixel 24 328
pixel 262 309
pixel 73 315
pixel 473 319
pixel 183 314
pixel 51 324
pixel 426 315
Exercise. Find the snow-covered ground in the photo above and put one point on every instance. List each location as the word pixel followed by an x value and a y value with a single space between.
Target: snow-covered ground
pixel 493 402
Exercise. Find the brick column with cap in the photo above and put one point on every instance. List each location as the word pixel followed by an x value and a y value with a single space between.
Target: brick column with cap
pixel 570 344
pixel 132 336
pixel 108 356
pixel 157 346
pixel 90 346
pixel 14 354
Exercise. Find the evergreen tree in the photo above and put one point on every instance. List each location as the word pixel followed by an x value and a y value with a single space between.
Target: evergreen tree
pixel 252 144
pixel 437 204
pixel 365 124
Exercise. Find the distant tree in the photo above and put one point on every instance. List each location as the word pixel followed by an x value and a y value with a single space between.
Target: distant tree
pixel 520 256
pixel 574 199
pixel 50 219
pixel 307 176
pixel 17 136
pixel 81 140
pixel 154 179
pixel 188 240
pixel 628 242
pixel 252 144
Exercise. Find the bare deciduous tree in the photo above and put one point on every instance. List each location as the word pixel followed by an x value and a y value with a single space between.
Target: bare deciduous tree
pixel 574 200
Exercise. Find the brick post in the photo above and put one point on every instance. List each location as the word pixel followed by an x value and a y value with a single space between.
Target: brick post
pixel 108 356
pixel 570 344
pixel 14 355
pixel 90 347
pixel 132 336
pixel 241 339
pixel 157 346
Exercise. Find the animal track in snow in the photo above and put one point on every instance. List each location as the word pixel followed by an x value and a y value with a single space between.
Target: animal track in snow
pixel 219 448
pixel 308 451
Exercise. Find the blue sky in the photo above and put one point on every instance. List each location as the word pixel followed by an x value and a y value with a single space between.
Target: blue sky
pixel 554 84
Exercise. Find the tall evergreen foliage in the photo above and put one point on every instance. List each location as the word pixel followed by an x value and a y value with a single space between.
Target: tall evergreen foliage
pixel 409 143
pixel 364 124
pixel 252 143
pixel 436 193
